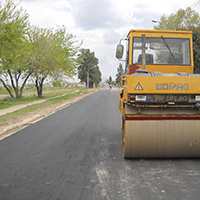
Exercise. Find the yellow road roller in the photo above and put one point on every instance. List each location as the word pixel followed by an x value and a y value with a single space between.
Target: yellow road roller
pixel 160 96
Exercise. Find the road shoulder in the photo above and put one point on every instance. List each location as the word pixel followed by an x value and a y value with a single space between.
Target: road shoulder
pixel 13 125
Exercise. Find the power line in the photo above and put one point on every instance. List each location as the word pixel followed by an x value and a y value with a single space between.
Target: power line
pixel 195 3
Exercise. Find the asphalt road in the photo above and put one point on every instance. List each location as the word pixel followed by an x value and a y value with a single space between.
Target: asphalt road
pixel 76 153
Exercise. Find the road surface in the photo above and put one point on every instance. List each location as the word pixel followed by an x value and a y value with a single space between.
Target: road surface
pixel 76 153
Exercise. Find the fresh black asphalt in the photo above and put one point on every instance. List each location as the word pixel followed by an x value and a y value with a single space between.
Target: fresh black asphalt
pixel 76 153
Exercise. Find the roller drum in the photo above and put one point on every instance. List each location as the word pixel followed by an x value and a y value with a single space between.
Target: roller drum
pixel 161 138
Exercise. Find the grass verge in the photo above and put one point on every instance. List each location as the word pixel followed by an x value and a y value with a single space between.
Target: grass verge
pixel 41 105
pixel 7 102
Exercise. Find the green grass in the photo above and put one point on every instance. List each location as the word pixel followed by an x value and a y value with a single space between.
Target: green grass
pixel 3 91
pixel 7 102
pixel 41 105
pixel 33 88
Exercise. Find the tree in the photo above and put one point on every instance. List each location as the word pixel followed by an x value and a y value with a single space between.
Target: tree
pixel 33 52
pixel 187 19
pixel 53 55
pixel 13 47
pixel 119 74
pixel 196 50
pixel 110 80
pixel 94 76
pixel 88 61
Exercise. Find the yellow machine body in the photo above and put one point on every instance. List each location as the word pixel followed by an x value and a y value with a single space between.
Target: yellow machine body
pixel 160 96
pixel 166 34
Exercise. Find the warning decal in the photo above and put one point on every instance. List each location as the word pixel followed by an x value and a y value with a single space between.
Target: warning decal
pixel 138 87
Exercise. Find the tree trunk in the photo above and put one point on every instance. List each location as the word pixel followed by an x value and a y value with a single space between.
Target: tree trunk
pixel 15 87
pixel 39 86
pixel 40 90
pixel 16 90
pixel 10 93
pixel 12 82
pixel 21 90
pixel 90 84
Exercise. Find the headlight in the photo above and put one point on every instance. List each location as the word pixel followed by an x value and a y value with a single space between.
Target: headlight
pixel 140 98
pixel 197 98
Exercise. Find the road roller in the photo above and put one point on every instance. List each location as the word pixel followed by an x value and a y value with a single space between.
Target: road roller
pixel 159 96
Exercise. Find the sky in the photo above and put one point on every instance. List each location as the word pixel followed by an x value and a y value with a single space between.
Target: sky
pixel 101 23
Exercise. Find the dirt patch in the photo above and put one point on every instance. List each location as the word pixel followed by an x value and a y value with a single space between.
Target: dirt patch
pixel 15 124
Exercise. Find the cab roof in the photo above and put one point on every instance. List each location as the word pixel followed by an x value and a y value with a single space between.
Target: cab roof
pixel 158 32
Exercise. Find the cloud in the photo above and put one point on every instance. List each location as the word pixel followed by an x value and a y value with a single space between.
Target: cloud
pixel 94 14
pixel 111 37
pixel 100 23
pixel 48 13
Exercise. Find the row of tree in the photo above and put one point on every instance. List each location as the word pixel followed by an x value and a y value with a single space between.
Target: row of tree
pixel 29 52
pixel 88 60
pixel 117 81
